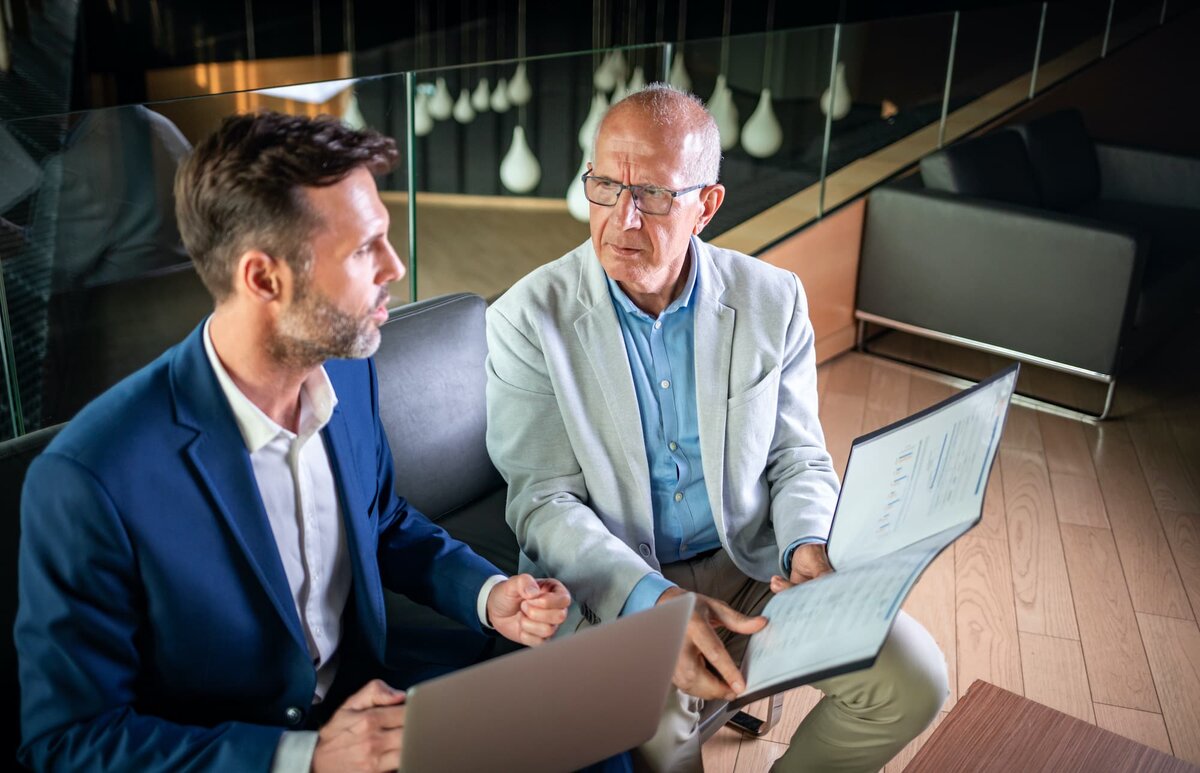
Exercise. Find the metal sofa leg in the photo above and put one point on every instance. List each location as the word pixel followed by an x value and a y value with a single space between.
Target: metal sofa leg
pixel 751 725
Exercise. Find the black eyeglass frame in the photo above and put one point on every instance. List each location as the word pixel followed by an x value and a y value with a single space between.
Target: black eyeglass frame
pixel 633 191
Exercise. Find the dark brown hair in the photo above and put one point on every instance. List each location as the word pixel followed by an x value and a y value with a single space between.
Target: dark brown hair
pixel 240 188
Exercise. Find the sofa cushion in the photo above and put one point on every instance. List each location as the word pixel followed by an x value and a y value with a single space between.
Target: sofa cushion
pixel 432 375
pixel 1063 158
pixel 994 166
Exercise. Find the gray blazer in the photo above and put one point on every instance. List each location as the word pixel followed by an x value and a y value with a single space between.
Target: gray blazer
pixel 565 432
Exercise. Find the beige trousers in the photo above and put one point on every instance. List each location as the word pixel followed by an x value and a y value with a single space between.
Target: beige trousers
pixel 865 718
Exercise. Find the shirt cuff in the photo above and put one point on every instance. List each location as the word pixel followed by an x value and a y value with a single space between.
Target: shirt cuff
pixel 294 753
pixel 481 602
pixel 785 561
pixel 645 594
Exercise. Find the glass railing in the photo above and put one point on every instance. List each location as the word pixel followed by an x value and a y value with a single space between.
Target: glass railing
pixel 95 283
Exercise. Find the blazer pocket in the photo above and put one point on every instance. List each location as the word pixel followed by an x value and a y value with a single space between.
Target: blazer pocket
pixel 768 383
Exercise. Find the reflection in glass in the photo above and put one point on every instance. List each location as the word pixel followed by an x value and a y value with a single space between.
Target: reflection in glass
pixel 1073 38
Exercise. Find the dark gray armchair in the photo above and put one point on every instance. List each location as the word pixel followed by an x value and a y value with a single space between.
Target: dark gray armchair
pixel 1037 243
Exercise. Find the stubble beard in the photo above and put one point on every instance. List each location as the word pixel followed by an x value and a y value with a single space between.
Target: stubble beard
pixel 314 330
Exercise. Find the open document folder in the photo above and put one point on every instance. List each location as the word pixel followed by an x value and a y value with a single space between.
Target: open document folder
pixel 910 490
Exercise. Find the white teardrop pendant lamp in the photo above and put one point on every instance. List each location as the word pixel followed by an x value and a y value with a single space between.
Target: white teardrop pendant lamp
pixel 837 104
pixel 520 171
pixel 679 77
pixel 519 90
pixel 603 79
pixel 725 113
pixel 422 120
pixel 480 99
pixel 637 81
pixel 762 136
pixel 353 116
pixel 587 132
pixel 577 203
pixel 441 104
pixel 500 101
pixel 463 111
pixel 720 104
pixel 620 92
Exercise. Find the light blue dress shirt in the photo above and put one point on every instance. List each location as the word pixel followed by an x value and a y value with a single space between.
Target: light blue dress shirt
pixel 661 352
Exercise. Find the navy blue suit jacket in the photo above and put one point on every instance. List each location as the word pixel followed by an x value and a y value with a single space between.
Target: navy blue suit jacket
pixel 156 629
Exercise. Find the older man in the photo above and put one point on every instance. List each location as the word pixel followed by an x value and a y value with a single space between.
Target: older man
pixel 652 403
pixel 204 548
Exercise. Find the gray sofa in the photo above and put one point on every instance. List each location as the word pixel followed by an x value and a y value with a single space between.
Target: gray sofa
pixel 1037 243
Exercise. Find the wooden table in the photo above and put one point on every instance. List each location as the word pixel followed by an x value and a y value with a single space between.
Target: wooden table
pixel 991 729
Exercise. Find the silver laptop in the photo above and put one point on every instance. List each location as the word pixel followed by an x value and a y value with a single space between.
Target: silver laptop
pixel 559 707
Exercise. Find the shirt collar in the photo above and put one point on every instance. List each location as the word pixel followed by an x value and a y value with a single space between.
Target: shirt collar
pixel 626 305
pixel 317 401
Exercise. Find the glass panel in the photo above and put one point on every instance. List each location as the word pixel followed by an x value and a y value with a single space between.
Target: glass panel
pixel 1130 19
pixel 765 164
pixel 96 278
pixel 491 203
pixel 992 64
pixel 1073 38
pixel 894 73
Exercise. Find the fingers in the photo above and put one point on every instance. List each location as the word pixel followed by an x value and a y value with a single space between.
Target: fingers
pixel 552 594
pixel 733 620
pixel 693 676
pixel 778 584
pixel 374 693
pixel 705 639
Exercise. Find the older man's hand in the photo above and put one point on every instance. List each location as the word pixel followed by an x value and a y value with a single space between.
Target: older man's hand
pixel 526 610
pixel 705 668
pixel 809 561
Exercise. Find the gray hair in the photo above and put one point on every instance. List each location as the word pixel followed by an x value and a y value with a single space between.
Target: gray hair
pixel 670 108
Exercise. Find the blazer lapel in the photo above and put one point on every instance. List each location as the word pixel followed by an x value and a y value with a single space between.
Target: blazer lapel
pixel 713 347
pixel 222 466
pixel 600 336
pixel 361 541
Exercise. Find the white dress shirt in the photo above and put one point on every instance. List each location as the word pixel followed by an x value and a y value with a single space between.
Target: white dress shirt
pixel 300 497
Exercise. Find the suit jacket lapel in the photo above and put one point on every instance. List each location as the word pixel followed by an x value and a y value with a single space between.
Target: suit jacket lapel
pixel 600 336
pixel 361 541
pixel 714 348
pixel 222 466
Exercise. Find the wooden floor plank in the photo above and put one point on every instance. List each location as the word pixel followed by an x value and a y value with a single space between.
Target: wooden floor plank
pixel 1112 645
pixel 1065 446
pixel 756 755
pixel 887 397
pixel 1173 647
pixel 1077 500
pixel 993 524
pixel 1055 675
pixel 1042 590
pixel 1150 572
pixel 988 646
pixel 1141 726
pixel 931 602
pixel 924 392
pixel 1162 463
pixel 1183 534
pixel 720 752
pixel 1021 430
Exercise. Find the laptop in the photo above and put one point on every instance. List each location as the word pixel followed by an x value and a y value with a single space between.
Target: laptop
pixel 559 707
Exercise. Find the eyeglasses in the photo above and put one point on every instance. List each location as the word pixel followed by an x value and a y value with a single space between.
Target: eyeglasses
pixel 650 199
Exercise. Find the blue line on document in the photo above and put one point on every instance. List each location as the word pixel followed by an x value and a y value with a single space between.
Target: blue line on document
pixel 988 455
pixel 938 468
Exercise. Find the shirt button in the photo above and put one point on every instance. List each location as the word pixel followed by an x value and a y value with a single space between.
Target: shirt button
pixel 644 549
pixel 657 324
pixel 678 496
pixel 672 445
pixel 664 383
pixel 293 715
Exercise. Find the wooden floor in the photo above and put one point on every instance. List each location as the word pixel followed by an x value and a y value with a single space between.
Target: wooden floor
pixel 1080 588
